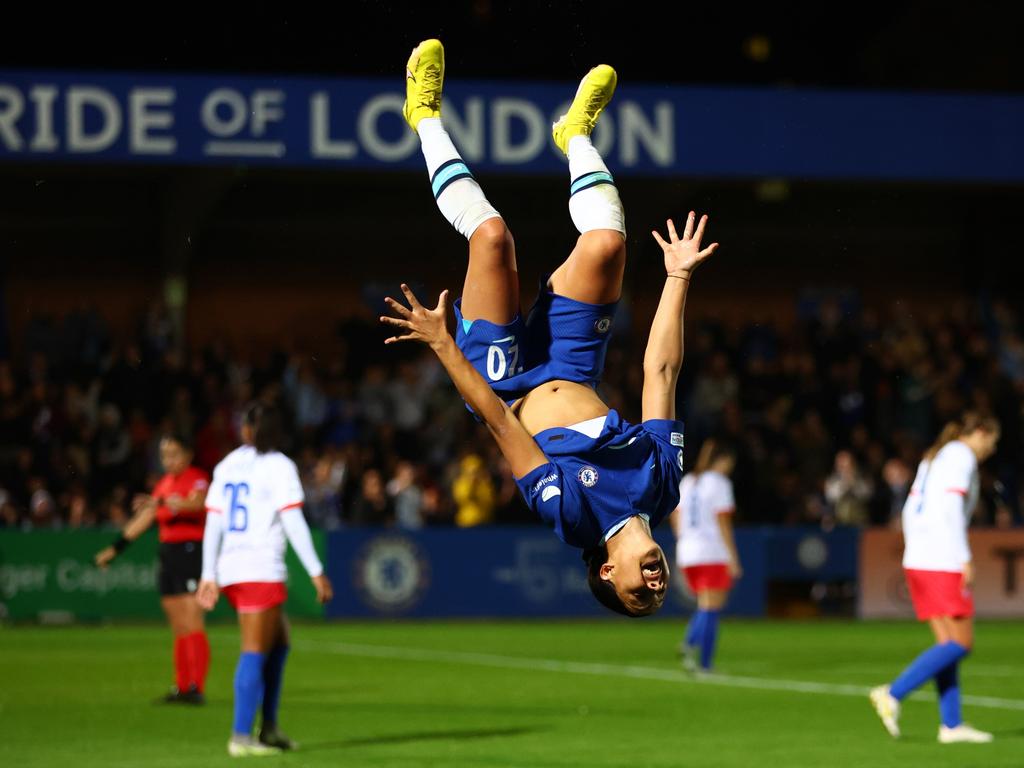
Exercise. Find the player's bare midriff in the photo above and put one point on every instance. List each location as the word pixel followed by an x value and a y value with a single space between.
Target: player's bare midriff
pixel 558 404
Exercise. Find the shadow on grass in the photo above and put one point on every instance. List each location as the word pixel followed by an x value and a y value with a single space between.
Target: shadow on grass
pixel 406 738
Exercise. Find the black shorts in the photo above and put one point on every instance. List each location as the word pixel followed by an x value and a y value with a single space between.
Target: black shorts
pixel 181 563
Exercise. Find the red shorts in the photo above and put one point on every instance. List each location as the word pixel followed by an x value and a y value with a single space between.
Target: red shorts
pixel 707 576
pixel 939 593
pixel 255 596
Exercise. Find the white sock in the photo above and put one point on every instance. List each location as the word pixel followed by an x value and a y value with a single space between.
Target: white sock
pixel 593 199
pixel 457 194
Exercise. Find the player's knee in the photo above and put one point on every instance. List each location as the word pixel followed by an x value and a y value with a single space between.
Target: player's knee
pixel 605 245
pixel 492 235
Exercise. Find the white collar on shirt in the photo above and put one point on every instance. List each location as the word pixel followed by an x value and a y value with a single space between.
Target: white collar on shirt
pixel 619 526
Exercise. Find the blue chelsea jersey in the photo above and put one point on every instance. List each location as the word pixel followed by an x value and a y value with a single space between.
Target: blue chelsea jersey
pixel 591 484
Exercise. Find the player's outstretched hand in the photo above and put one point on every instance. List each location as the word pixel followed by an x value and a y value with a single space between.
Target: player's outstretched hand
pixel 683 255
pixel 324 590
pixel 104 557
pixel 418 323
pixel 207 594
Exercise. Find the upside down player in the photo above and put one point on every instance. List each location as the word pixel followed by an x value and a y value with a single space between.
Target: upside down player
pixel 599 481
pixel 939 571
pixel 177 504
pixel 255 502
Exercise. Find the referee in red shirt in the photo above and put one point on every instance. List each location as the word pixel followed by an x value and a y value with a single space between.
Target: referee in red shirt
pixel 178 505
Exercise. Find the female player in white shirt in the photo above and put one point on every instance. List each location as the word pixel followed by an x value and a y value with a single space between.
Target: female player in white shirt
pixel 255 503
pixel 937 563
pixel 705 546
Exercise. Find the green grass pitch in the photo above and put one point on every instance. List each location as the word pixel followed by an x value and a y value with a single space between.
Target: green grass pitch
pixel 503 694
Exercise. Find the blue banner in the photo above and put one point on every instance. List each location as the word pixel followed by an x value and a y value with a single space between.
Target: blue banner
pixel 503 127
pixel 492 572
pixel 811 554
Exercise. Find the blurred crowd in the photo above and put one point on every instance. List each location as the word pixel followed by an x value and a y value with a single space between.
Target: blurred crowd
pixel 829 414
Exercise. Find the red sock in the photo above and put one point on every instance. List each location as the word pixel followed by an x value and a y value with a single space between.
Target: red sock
pixel 200 658
pixel 181 665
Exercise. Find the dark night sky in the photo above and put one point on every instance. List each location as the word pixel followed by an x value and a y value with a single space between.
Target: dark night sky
pixel 897 45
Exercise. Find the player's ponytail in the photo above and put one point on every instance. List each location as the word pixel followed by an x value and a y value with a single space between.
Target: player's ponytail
pixel 970 422
pixel 712 451
pixel 267 427
pixel 949 433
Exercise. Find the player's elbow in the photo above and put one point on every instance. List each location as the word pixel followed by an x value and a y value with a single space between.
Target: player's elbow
pixel 501 421
pixel 661 372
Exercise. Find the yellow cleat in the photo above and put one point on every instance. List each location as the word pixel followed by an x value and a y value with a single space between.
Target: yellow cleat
pixel 595 91
pixel 424 76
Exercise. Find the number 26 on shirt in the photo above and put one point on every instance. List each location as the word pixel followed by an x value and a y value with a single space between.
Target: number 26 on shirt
pixel 238 513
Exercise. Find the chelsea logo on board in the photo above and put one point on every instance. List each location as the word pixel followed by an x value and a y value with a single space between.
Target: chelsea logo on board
pixel 391 573
pixel 587 476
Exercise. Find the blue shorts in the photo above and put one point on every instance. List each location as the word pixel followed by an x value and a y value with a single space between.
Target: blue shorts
pixel 560 339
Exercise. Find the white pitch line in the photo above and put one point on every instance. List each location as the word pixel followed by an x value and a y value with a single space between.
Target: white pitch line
pixel 625 670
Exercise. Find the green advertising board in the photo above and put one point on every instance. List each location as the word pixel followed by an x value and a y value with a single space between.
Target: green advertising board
pixel 49 576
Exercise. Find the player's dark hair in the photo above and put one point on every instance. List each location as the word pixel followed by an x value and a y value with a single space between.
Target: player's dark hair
pixel 267 427
pixel 711 452
pixel 180 438
pixel 969 422
pixel 972 421
pixel 603 589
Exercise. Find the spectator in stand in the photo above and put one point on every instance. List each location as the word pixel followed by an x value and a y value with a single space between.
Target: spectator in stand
pixel 306 397
pixel 473 491
pixel 323 486
pixel 715 386
pixel 79 514
pixel 216 439
pixel 848 491
pixel 112 446
pixel 407 497
pixel 43 510
pixel 8 512
pixel 897 479
pixel 372 506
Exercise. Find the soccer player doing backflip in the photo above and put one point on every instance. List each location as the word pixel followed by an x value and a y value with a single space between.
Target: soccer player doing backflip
pixel 601 482
pixel 939 571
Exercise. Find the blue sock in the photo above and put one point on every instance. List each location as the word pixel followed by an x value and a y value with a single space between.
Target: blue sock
pixel 948 684
pixel 694 629
pixel 708 638
pixel 248 690
pixel 925 667
pixel 273 672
